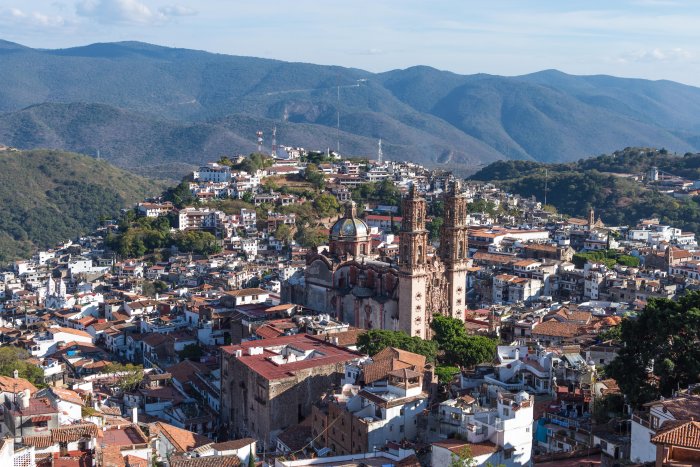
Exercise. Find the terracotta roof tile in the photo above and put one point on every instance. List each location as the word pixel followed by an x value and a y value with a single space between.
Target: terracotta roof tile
pixel 233 444
pixel 684 434
pixel 182 440
pixel 556 329
pixel 8 384
pixel 208 461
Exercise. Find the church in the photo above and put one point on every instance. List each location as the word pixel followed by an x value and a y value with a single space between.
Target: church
pixel 349 283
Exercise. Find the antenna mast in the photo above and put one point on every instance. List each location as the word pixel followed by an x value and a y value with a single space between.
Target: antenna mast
pixel 545 186
pixel 274 142
pixel 259 134
pixel 380 155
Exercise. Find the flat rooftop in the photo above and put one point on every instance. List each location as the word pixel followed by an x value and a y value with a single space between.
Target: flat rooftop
pixel 269 364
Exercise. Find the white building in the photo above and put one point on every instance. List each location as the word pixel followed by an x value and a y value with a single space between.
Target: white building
pixel 48 342
pixel 205 218
pixel 213 172
pixel 684 407
pixel 502 435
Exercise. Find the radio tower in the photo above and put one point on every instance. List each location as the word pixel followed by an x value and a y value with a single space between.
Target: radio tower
pixel 259 134
pixel 379 152
pixel 274 142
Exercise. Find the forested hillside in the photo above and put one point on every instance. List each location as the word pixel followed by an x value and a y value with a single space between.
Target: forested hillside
pixel 602 183
pixel 47 197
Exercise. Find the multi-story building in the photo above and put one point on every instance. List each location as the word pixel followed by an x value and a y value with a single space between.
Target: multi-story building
pixel 661 415
pixel 213 172
pixel 204 218
pixel 501 435
pixel 271 384
pixel 396 389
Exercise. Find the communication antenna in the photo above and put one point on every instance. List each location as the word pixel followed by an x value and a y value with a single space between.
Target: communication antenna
pixel 259 134
pixel 545 186
pixel 98 154
pixel 274 142
pixel 379 152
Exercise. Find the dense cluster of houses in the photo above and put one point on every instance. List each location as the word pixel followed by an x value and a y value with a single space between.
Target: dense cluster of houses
pixel 221 366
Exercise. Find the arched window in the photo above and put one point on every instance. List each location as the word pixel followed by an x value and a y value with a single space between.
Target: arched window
pixel 405 254
pixel 420 253
pixel 460 253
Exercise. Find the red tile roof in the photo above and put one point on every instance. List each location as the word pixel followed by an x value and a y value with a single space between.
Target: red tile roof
pixel 684 434
pixel 182 440
pixel 328 354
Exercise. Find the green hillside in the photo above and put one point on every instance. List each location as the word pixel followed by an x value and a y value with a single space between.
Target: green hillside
pixel 182 106
pixel 600 182
pixel 47 197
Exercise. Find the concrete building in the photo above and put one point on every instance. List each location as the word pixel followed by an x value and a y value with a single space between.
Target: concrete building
pixel 271 384
pixel 500 435
pixel 661 415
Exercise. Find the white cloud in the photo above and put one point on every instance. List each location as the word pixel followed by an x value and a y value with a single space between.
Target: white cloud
pixel 19 17
pixel 129 11
pixel 177 10
pixel 657 55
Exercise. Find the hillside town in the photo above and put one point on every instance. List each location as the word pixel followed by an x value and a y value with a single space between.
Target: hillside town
pixel 257 350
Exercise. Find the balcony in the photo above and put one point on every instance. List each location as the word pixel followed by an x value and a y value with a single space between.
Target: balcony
pixel 641 421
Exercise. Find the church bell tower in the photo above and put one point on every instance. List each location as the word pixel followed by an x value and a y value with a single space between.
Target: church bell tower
pixel 454 250
pixel 413 274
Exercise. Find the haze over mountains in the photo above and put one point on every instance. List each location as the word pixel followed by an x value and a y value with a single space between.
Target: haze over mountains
pixel 146 107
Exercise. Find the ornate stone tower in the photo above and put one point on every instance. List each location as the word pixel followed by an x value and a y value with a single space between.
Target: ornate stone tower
pixel 454 250
pixel 413 268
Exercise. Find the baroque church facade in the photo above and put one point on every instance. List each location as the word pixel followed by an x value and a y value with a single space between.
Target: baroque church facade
pixel 349 283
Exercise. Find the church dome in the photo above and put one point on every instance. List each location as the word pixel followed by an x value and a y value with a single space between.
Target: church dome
pixel 349 227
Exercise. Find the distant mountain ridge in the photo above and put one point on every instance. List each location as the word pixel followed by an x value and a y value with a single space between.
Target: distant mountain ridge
pixel 186 106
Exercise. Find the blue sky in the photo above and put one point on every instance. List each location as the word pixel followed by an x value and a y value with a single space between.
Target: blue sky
pixel 655 39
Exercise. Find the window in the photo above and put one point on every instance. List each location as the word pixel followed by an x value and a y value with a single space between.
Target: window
pixel 401 428
pixel 506 412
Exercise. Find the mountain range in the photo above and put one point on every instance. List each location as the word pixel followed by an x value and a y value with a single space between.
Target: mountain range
pixel 150 109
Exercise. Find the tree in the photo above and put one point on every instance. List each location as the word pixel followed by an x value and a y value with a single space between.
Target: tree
pixel 446 373
pixel 314 176
pixel 434 227
pixel 129 375
pixel 283 233
pixel 311 237
pixel 660 350
pixel 376 340
pixel 446 329
pixel 462 457
pixel 198 242
pixel 248 197
pixel 326 205
pixel 180 195
pixel 14 358
pixel 459 348
pixel 191 352
pixel 467 351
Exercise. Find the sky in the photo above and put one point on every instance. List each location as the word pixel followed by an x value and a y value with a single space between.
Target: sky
pixel 653 39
